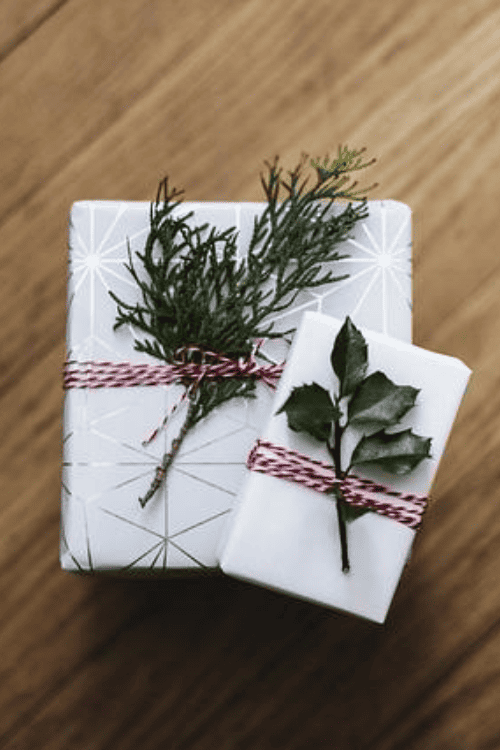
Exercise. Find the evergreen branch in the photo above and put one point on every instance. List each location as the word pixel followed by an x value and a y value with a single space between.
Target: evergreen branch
pixel 346 162
pixel 195 290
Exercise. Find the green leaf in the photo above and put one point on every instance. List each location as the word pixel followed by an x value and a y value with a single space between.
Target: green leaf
pixel 349 357
pixel 398 453
pixel 377 399
pixel 309 408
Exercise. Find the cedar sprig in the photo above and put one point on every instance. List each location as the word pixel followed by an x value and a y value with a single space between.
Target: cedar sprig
pixel 346 162
pixel 196 291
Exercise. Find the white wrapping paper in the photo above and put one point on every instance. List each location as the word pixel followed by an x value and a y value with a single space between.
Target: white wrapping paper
pixel 106 468
pixel 285 536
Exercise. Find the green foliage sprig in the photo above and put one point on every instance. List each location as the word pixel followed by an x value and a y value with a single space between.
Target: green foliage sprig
pixel 373 403
pixel 196 291
pixel 346 162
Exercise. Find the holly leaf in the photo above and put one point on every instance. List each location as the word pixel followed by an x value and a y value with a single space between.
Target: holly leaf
pixel 309 408
pixel 398 453
pixel 349 357
pixel 378 400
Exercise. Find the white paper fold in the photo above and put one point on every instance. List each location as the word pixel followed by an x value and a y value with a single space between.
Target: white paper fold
pixel 285 536
pixel 106 468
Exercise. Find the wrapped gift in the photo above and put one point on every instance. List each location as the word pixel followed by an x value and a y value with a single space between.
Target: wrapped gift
pixel 106 465
pixel 285 532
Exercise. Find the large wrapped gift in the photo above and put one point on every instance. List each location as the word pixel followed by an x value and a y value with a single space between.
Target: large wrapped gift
pixel 285 532
pixel 106 465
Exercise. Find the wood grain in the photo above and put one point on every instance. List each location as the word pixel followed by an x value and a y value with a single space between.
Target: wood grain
pixel 99 100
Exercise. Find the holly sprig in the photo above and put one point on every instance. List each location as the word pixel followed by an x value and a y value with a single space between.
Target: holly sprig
pixel 371 403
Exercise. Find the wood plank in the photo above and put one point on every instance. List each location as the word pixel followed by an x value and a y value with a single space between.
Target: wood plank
pixel 120 55
pixel 19 20
pixel 462 712
pixel 119 65
pixel 173 653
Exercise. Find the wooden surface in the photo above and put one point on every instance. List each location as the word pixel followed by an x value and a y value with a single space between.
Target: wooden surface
pixel 98 100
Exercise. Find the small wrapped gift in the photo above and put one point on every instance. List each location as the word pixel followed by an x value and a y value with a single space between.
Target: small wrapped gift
pixel 108 461
pixel 286 532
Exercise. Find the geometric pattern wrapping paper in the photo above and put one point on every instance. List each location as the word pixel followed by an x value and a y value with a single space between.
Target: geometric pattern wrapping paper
pixel 105 466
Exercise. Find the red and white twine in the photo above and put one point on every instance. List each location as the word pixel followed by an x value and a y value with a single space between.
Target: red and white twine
pixel 285 463
pixel 265 457
pixel 97 374
pixel 190 366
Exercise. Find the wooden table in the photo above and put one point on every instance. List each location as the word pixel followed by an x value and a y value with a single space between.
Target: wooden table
pixel 101 98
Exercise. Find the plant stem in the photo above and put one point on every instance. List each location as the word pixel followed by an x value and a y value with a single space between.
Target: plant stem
pixel 342 529
pixel 168 458
pixel 336 455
